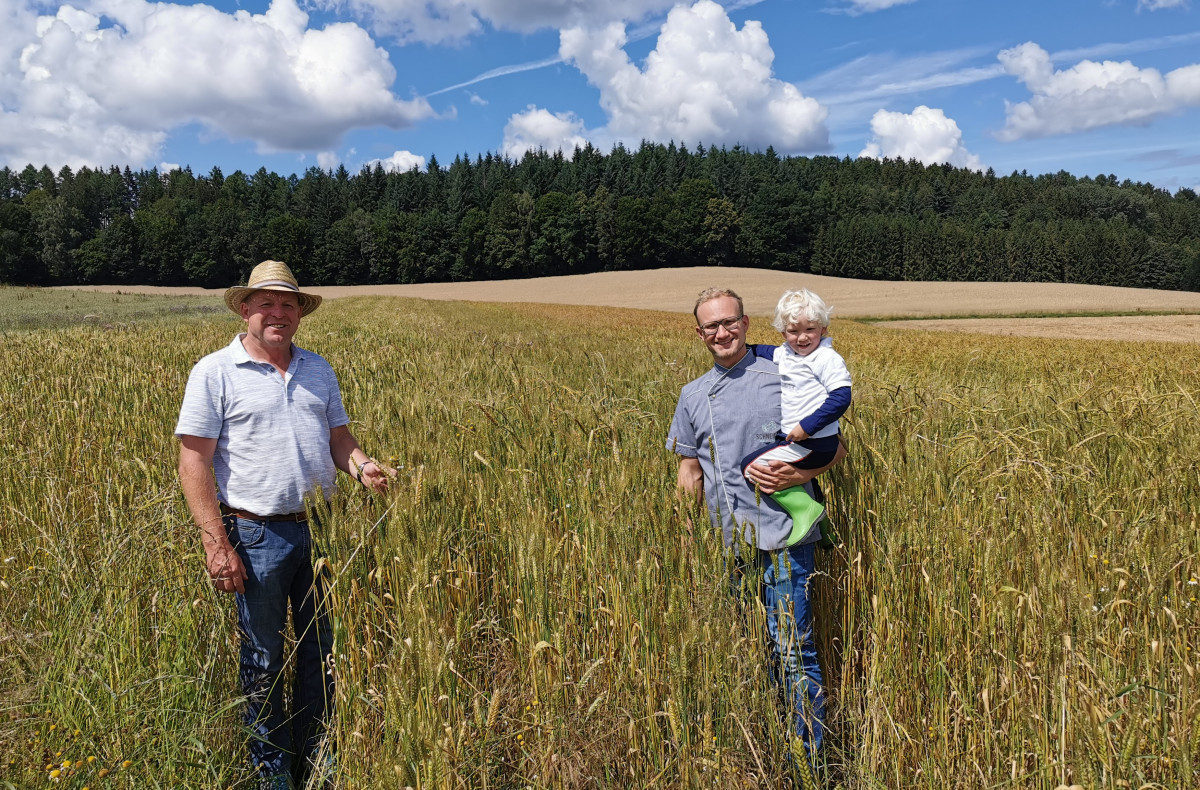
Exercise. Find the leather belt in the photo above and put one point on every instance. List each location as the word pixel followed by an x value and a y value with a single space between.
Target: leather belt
pixel 299 518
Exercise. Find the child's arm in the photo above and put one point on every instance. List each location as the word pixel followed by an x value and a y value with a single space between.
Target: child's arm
pixel 762 350
pixel 832 409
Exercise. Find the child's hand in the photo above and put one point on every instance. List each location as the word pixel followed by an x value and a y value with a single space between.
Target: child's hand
pixel 797 434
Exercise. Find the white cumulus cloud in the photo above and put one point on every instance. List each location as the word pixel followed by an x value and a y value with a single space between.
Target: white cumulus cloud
pixel 925 134
pixel 1090 95
pixel 399 162
pixel 85 92
pixel 539 129
pixel 1154 5
pixel 706 81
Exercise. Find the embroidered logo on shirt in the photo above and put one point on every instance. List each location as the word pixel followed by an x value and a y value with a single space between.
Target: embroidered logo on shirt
pixel 766 433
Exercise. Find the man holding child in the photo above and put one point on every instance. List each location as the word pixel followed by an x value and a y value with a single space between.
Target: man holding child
pixel 723 417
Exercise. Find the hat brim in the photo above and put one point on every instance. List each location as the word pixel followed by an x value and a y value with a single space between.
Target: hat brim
pixel 236 295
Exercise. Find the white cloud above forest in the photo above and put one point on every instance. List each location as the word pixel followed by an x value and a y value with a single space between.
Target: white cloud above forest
pixel 705 81
pixel 925 134
pixel 539 129
pixel 1090 94
pixel 106 83
pixel 399 162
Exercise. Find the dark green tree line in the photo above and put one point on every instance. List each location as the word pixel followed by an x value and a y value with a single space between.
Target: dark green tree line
pixel 548 213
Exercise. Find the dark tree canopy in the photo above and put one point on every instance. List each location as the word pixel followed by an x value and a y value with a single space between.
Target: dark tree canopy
pixel 550 214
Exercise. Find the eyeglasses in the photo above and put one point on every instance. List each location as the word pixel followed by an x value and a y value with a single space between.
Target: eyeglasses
pixel 730 324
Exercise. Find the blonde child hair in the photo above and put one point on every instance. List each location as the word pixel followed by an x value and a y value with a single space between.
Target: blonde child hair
pixel 795 305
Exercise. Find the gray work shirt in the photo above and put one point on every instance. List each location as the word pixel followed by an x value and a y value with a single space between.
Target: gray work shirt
pixel 721 418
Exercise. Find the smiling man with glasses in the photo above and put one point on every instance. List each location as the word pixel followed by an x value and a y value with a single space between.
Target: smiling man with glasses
pixel 723 416
pixel 728 324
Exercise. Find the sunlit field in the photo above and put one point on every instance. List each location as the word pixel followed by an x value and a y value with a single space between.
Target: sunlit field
pixel 50 308
pixel 1014 603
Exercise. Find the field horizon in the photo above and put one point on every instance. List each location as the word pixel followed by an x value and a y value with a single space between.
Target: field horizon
pixel 1057 309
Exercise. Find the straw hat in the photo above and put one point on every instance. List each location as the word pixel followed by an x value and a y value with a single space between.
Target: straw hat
pixel 271 276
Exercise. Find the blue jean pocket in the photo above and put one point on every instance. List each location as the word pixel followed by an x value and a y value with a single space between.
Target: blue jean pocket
pixel 250 533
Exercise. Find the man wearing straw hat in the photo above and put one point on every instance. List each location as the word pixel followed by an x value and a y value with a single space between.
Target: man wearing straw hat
pixel 265 417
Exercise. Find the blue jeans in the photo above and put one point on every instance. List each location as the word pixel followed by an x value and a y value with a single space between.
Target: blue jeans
pixel 279 566
pixel 783 588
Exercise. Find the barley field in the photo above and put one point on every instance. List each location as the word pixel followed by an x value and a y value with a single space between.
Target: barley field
pixel 1014 603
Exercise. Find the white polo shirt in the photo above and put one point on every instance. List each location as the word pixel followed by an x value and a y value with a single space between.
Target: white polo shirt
pixel 272 431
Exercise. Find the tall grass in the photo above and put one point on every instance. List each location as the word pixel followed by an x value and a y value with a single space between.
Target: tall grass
pixel 1014 603
pixel 27 308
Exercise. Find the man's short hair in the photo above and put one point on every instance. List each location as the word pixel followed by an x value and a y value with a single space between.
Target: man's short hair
pixel 708 294
pixel 802 304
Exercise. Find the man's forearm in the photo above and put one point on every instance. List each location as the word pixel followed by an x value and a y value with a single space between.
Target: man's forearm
pixel 344 447
pixel 811 474
pixel 225 568
pixel 201 496
pixel 343 456
pixel 355 461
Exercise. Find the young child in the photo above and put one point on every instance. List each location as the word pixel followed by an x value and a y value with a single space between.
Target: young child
pixel 815 392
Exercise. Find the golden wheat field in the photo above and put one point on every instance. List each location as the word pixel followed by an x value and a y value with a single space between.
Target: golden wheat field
pixel 1014 604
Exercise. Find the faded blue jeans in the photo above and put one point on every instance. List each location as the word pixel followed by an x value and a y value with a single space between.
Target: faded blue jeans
pixel 794 665
pixel 783 589
pixel 279 564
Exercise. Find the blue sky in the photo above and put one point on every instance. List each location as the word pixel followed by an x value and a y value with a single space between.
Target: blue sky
pixel 1087 86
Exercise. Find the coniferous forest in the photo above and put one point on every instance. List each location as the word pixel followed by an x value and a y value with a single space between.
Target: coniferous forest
pixel 552 214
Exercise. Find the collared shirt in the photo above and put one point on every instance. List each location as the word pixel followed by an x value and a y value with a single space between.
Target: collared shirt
pixel 721 418
pixel 272 431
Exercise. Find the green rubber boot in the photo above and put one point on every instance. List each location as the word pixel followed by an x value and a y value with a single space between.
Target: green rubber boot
pixel 804 510
pixel 829 537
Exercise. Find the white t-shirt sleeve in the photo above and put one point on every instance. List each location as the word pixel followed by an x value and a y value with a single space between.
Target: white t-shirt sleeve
pixel 830 369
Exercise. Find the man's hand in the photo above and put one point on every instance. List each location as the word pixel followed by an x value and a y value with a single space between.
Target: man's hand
pixel 225 567
pixel 772 476
pixel 778 475
pixel 691 487
pixel 375 476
